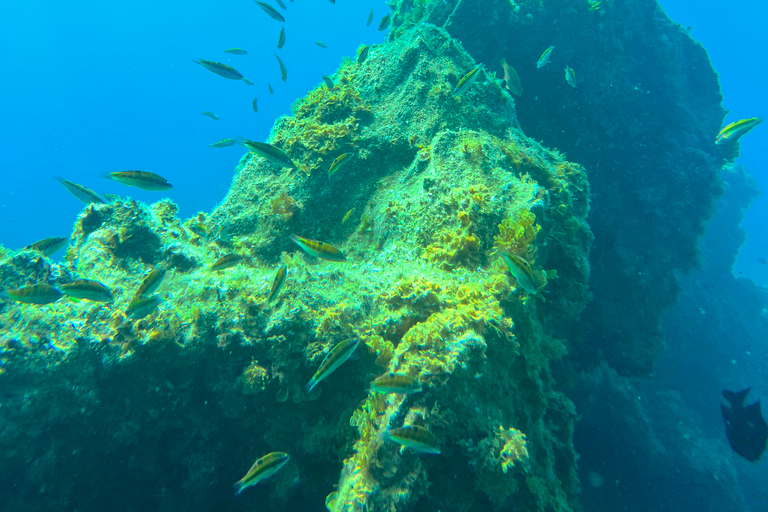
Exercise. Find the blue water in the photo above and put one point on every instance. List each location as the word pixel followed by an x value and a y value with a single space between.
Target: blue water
pixel 734 33
pixel 92 87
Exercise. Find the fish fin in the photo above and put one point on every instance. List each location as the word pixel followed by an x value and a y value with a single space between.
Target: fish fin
pixel 736 398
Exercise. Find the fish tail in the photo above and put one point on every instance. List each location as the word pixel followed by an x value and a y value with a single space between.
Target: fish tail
pixel 238 488
pixel 736 398
pixel 310 386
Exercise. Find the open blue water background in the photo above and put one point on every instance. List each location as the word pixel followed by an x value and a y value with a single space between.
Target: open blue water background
pixel 91 87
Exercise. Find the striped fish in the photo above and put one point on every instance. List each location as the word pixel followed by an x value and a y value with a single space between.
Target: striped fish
pixel 144 180
pixel 48 246
pixel 318 249
pixel 81 192
pixel 735 130
pixel 150 283
pixel 223 70
pixel 262 469
pixel 268 151
pixel 466 81
pixel 395 383
pixel 282 273
pixel 414 437
pixel 273 13
pixel 333 360
pixel 521 270
pixel 40 294
pixel 87 289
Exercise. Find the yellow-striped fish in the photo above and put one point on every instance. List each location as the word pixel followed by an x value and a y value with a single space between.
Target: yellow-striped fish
pixel 262 469
pixel 544 59
pixel 40 294
pixel 414 437
pixel 142 306
pixel 81 192
pixel 340 161
pixel 735 130
pixel 318 249
pixel 225 262
pixel 333 360
pixel 282 273
pixel 521 270
pixel 347 215
pixel 466 81
pixel 48 246
pixel 395 383
pixel 87 289
pixel 144 180
pixel 150 283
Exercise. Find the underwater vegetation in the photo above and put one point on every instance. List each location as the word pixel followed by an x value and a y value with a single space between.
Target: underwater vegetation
pixel 383 303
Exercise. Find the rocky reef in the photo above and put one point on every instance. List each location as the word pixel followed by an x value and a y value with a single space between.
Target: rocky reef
pixel 183 400
pixel 642 119
pixel 444 183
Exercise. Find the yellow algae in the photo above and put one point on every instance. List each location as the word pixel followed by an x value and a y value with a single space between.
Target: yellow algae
pixel 515 448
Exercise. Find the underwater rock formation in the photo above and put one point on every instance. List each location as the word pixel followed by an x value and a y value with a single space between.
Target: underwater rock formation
pixel 181 401
pixel 642 120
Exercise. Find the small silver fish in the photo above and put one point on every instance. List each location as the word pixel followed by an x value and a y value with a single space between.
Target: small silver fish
pixel 211 115
pixel 254 105
pixel 321 44
pixel 281 38
pixel 236 51
pixel 370 19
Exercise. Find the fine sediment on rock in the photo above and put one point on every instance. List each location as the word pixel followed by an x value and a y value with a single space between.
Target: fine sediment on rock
pixel 179 403
pixel 642 120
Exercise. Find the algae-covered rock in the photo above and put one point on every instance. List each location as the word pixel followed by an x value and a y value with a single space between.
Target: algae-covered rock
pixel 642 121
pixel 439 186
